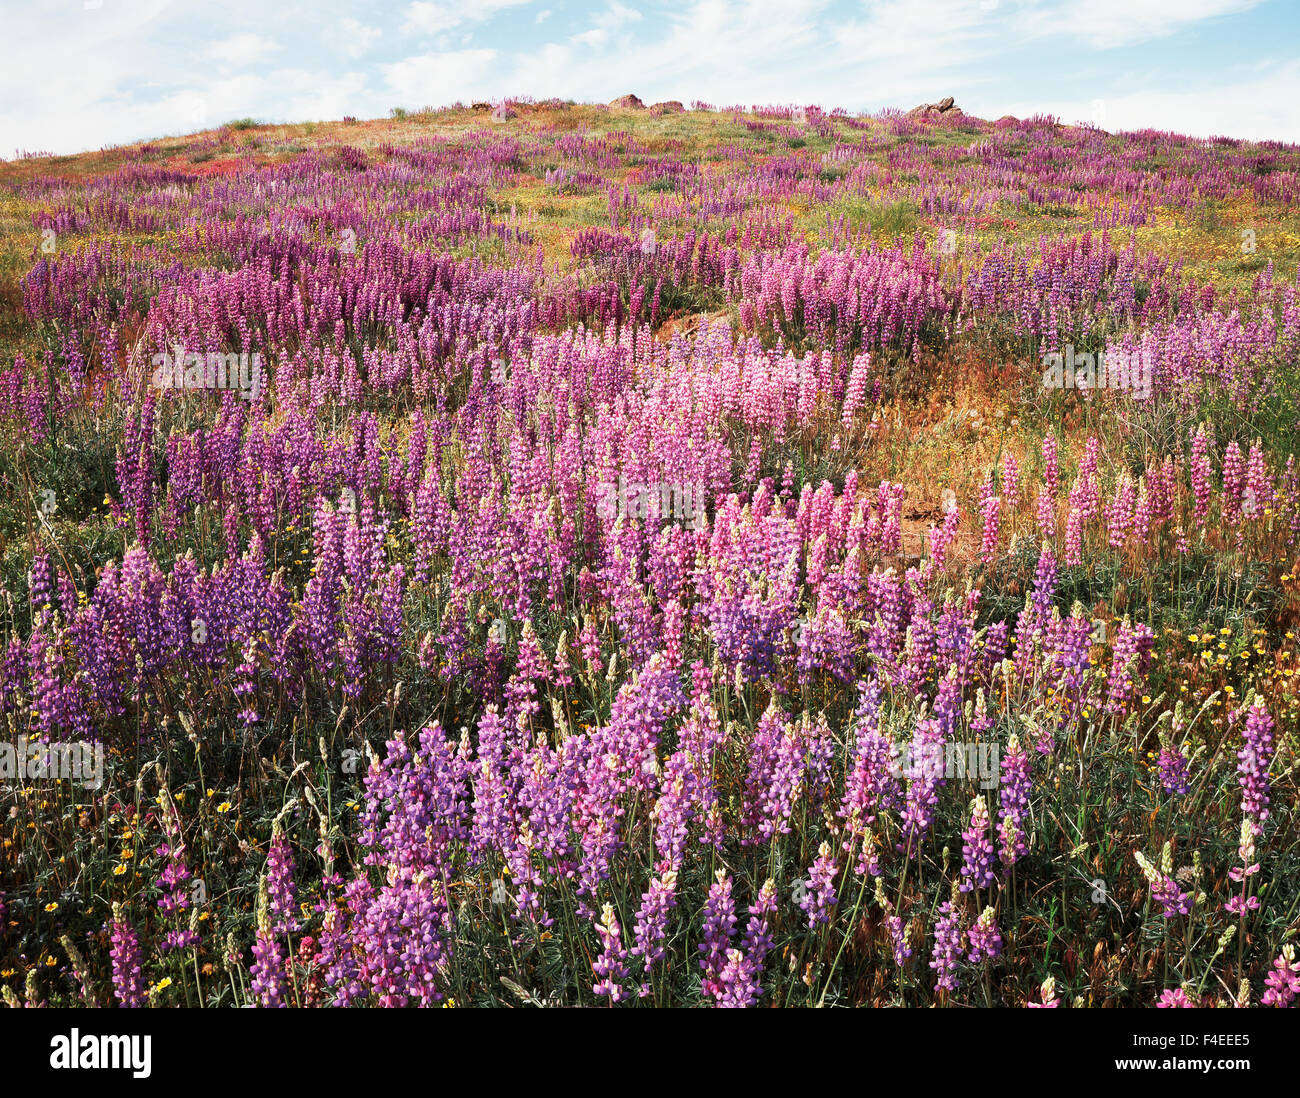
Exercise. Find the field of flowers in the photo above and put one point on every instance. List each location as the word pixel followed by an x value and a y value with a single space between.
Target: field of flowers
pixel 569 555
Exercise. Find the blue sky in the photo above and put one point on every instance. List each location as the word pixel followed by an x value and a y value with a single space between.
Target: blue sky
pixel 80 74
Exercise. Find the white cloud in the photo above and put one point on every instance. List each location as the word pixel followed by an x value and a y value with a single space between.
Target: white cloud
pixel 351 37
pixel 242 49
pixel 436 78
pixel 423 17
pixel 1107 24
pixel 1264 106
pixel 429 18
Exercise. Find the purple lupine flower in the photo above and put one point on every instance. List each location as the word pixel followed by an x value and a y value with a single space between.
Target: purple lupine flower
pixel 1164 890
pixel 758 935
pixel 611 965
pixel 1133 645
pixel 651 925
pixel 279 884
pixel 925 774
pixel 269 984
pixel 1044 587
pixel 985 938
pixel 820 896
pixel 1172 764
pixel 1014 811
pixel 977 849
pixel 743 971
pixel 176 897
pixel 719 922
pixel 898 930
pixel 1253 761
pixel 948 938
pixel 1241 874
pixel 124 953
pixel 776 771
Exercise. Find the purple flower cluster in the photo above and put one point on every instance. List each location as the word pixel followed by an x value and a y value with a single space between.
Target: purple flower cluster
pixel 977 849
pixel 948 942
pixel 1253 760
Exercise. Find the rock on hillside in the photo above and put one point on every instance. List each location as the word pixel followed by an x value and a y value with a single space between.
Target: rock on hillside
pixel 926 110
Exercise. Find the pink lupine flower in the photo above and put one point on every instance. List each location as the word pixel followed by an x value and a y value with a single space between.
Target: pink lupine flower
pixel 1200 471
pixel 1046 514
pixel 1051 471
pixel 1164 891
pixel 1284 981
pixel 1010 478
pixel 1175 997
pixel 991 511
pixel 984 937
pixel 1047 995
pixel 1233 482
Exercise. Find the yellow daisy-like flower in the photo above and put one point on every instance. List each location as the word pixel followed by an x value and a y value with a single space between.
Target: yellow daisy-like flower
pixel 118 870
pixel 163 984
pixel 223 807
pixel 52 907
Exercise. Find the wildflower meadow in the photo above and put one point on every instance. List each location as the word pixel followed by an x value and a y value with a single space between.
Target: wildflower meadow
pixel 545 554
